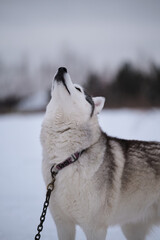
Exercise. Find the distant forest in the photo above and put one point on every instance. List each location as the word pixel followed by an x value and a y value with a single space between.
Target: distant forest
pixel 129 87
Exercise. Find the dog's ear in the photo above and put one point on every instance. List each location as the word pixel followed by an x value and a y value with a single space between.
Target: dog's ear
pixel 99 103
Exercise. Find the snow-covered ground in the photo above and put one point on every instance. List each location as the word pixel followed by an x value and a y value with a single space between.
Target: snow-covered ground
pixel 22 190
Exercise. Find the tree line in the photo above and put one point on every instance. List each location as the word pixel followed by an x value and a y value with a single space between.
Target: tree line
pixel 130 87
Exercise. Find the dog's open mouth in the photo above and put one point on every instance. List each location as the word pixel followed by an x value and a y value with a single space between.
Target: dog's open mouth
pixel 60 77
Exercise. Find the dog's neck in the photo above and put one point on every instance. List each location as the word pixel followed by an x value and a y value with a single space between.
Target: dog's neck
pixel 60 139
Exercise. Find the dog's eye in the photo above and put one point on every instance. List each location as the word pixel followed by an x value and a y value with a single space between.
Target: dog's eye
pixel 78 89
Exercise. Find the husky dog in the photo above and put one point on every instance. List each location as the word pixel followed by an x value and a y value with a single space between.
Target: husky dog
pixel 114 181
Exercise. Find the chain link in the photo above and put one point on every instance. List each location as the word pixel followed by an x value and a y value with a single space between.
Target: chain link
pixel 50 188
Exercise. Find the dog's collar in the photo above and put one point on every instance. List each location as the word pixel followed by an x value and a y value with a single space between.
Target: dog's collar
pixel 73 158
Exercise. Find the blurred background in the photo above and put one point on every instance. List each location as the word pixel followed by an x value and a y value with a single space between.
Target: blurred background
pixel 110 47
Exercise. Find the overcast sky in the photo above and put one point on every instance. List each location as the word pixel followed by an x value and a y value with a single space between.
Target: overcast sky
pixel 103 33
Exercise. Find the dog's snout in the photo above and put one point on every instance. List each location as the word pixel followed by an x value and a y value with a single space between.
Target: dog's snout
pixel 60 74
pixel 61 79
pixel 62 70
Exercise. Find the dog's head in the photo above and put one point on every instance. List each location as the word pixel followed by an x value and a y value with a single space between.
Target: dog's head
pixel 70 102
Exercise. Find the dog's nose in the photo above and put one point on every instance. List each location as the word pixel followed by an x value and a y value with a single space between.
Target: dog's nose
pixel 60 74
pixel 62 70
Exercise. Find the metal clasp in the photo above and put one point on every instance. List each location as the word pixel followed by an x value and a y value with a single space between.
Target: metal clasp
pixel 51 184
pixel 54 170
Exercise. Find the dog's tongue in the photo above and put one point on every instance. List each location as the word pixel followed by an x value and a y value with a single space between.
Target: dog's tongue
pixel 60 74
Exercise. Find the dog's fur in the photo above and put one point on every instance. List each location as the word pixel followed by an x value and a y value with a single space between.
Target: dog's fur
pixel 114 181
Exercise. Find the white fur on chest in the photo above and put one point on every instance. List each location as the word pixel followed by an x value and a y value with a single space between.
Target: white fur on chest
pixel 74 196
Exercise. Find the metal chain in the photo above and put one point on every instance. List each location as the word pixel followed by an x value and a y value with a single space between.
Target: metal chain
pixel 50 188
pixel 54 171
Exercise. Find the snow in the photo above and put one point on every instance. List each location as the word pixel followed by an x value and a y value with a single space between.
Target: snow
pixel 34 102
pixel 22 187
